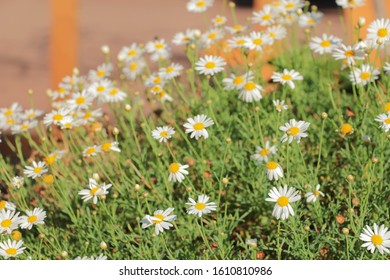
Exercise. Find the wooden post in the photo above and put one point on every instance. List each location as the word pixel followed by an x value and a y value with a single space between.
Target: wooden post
pixel 258 4
pixel 63 39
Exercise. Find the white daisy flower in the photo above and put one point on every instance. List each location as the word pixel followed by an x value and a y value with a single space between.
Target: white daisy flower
pixel 238 28
pixel 170 72
pixel 274 171
pixel 55 116
pixel 130 53
pixel 53 157
pixel 262 154
pixel 101 257
pixel 202 206
pixel 99 89
pixel 36 170
pixel 155 80
pixel 386 68
pixel 9 221
pixel 158 49
pixel 110 146
pixel 114 95
pixel 102 71
pixel 364 75
pixel 95 190
pixel 23 127
pixel 379 238
pixel 350 3
pixel 164 96
pixel 257 41
pixel 312 196
pixel 219 20
pixel 6 205
pixel 264 17
pixel 309 19
pixel 276 32
pixel 35 217
pixel 348 53
pixel 384 119
pixel 14 111
pixel 279 105
pixel 237 82
pixel 379 29
pixel 177 172
pixel 210 65
pixel 163 133
pixel 287 77
pixel 282 198
pixel 324 44
pixel 199 6
pixel 133 69
pixel 17 182
pixel 10 249
pixel 250 92
pixel 91 151
pixel 291 6
pixel 89 116
pixel 236 42
pixel 68 123
pixel 159 219
pixel 197 126
pixel 294 130
pixel 31 114
pixel 185 38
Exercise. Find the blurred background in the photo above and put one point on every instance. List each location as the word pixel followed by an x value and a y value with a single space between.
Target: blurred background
pixel 31 29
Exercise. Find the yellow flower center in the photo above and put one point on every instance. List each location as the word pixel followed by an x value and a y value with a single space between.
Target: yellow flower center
pixel 50 159
pixel 325 44
pixel 386 121
pixel 58 117
pixel 250 86
pixel 200 4
pixel 157 80
pixel 174 167
pixel 210 65
pixel 316 193
pixel 272 35
pixel 376 239
pixel 101 73
pixel 16 235
pixel 264 152
pixel 24 127
pixel 160 217
pixel 293 131
pixel 162 93
pixel 289 6
pixel 198 126
pixel 200 206
pixel 100 88
pixel 272 165
pixel 6 223
pixel 286 77
pixel 114 91
pixel 212 35
pixel 352 2
pixel 9 112
pixel 80 100
pixel 350 53
pixel 106 147
pixel 131 53
pixel 164 134
pixel 133 66
pixel 87 115
pixel 257 41
pixel 61 90
pixel 267 17
pixel 94 190
pixel 37 169
pixel 90 151
pixel 31 115
pixel 2 204
pixel 159 46
pixel 240 42
pixel 238 80
pixel 365 75
pixel 282 201
pixel 10 121
pixel 48 179
pixel 382 32
pixel 219 20
pixel 346 129
pixel 237 27
pixel 169 69
pixel 387 107
pixel 32 219
pixel 11 251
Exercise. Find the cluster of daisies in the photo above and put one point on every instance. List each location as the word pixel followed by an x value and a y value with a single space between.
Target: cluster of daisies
pixel 11 221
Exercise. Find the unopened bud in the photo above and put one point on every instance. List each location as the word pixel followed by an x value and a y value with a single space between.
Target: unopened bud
pixel 115 131
pixel 103 245
pixel 345 231
pixel 96 176
pixel 324 115
pixel 225 181
pixel 127 107
pixel 361 21
pixel 105 49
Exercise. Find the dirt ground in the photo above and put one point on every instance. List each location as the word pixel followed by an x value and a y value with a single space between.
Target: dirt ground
pixel 25 36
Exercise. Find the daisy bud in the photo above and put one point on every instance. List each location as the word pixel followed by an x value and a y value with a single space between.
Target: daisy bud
pixel 64 254
pixel 105 49
pixel 225 181
pixel 137 187
pixel 103 245
pixel 115 195
pixel 76 71
pixel 366 139
pixel 361 21
pixel 144 194
pixel 374 160
pixel 228 140
pixel 96 176
pixel 192 46
pixel 41 236
pixel 351 211
pixel 324 115
pixel 350 178
pixel 340 219
pixel 136 93
pixel 345 231
pixel 299 12
pixel 120 58
pixel 49 93
pixel 379 41
pixel 16 235
pixel 307 228
pixel 127 107
pixel 251 242
pixel 115 131
pixel 232 5
pixel 250 64
pixel 314 8
pixel 260 255
pixel 307 3
pixel 189 188
pixel 30 92
pixel 257 108
pixel 209 101
pixel 103 197
pixel 356 201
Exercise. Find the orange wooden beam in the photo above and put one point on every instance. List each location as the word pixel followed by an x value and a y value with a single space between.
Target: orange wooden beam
pixel 63 39
pixel 368 11
pixel 258 4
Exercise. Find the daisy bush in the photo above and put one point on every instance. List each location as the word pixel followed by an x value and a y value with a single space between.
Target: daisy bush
pixel 270 141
